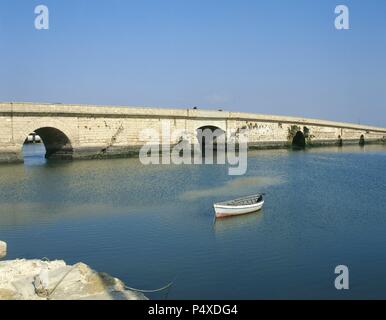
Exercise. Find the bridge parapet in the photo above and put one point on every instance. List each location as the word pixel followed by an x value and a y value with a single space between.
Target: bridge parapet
pixel 128 111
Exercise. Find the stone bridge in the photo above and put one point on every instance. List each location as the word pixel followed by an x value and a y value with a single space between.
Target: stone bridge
pixel 84 131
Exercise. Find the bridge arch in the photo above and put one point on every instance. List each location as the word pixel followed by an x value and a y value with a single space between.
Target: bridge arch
pixel 299 140
pixel 362 140
pixel 56 143
pixel 210 136
pixel 340 141
pixel 59 139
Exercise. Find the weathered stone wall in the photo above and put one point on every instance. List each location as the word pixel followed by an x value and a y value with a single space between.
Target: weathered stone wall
pixel 96 131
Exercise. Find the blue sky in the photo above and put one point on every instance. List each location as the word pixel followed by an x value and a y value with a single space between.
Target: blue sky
pixel 276 57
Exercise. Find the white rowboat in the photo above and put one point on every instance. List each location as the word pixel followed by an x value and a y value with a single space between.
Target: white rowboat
pixel 239 206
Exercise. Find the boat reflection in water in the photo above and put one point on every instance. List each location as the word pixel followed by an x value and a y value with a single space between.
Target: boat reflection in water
pixel 237 223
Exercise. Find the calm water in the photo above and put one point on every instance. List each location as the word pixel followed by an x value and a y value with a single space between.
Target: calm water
pixel 149 225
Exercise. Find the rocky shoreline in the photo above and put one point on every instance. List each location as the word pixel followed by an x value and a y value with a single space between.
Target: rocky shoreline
pixel 23 279
pixel 3 249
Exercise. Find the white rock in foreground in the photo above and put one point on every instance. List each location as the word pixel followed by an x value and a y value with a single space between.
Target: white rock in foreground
pixel 54 280
pixel 3 249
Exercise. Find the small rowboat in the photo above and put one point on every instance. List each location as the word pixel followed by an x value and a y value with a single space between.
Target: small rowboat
pixel 239 206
